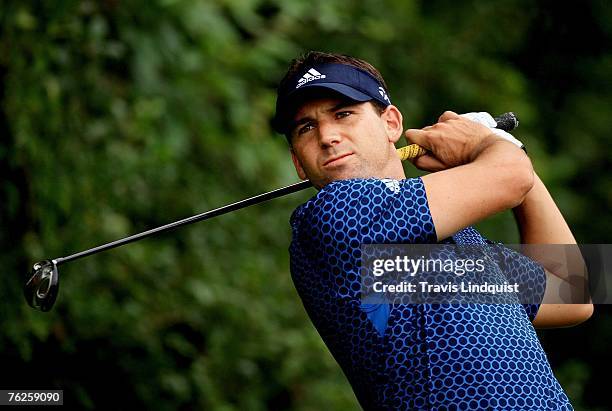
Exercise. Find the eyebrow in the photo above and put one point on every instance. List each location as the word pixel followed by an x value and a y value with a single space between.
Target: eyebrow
pixel 342 104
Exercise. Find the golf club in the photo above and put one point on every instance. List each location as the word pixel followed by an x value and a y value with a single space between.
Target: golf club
pixel 42 287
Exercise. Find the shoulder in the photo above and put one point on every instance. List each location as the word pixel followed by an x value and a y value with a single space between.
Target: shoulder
pixel 358 194
pixel 382 209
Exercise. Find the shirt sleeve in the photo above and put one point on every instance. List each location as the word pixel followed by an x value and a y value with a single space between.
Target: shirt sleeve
pixel 348 213
pixel 530 276
pixel 328 232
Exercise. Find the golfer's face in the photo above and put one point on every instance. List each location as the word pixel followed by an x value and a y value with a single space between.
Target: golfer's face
pixel 334 139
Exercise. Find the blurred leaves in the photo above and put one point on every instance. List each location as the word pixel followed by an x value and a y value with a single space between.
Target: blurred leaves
pixel 117 117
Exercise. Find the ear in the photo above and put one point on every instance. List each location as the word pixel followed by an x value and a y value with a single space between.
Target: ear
pixel 298 165
pixel 392 119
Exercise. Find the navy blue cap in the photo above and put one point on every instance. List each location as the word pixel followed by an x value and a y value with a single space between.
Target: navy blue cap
pixel 343 79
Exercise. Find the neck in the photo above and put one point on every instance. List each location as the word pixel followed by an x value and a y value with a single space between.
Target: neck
pixel 393 168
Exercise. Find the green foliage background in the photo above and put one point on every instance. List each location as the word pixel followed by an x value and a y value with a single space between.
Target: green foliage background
pixel 116 117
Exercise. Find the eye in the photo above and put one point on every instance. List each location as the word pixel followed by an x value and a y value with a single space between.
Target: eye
pixel 305 128
pixel 342 114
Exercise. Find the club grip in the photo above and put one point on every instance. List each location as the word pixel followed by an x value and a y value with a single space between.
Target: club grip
pixel 507 122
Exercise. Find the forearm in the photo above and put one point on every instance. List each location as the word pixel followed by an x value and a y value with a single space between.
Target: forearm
pixel 540 222
pixel 539 218
pixel 541 225
pixel 497 179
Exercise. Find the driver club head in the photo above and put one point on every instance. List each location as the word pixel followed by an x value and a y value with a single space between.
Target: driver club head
pixel 41 289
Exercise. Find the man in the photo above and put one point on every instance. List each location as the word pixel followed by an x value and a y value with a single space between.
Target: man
pixel 341 126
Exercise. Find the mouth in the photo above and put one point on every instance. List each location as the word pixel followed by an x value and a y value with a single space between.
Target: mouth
pixel 333 160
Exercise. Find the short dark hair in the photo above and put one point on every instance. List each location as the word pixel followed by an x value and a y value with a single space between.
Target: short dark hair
pixel 312 58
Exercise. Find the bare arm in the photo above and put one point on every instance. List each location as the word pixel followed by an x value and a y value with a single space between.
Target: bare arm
pixel 479 174
pixel 482 174
pixel 541 222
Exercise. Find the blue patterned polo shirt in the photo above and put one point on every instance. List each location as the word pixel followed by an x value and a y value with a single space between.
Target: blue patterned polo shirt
pixel 412 356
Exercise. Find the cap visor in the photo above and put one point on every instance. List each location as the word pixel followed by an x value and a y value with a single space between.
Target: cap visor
pixel 343 89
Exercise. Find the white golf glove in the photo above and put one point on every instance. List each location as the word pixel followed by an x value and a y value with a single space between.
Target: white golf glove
pixel 487 120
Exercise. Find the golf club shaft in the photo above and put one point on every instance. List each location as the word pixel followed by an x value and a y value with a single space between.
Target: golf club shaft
pixel 506 122
pixel 199 217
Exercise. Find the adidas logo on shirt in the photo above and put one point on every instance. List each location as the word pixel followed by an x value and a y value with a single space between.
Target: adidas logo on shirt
pixel 310 75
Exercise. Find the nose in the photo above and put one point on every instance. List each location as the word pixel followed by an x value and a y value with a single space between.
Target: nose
pixel 329 134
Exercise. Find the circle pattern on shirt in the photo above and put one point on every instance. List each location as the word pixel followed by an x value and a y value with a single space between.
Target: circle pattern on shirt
pixel 428 356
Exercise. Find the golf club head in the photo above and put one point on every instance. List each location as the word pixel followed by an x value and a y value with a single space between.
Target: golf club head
pixel 41 289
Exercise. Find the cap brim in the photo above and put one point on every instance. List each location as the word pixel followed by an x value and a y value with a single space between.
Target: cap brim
pixel 343 89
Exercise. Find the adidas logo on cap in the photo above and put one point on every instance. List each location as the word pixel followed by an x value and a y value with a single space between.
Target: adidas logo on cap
pixel 310 75
pixel 383 94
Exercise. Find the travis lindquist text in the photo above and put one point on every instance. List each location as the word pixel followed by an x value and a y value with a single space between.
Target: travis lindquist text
pixel 462 287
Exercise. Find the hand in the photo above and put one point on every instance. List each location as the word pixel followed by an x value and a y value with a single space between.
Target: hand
pixel 454 140
pixel 486 119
